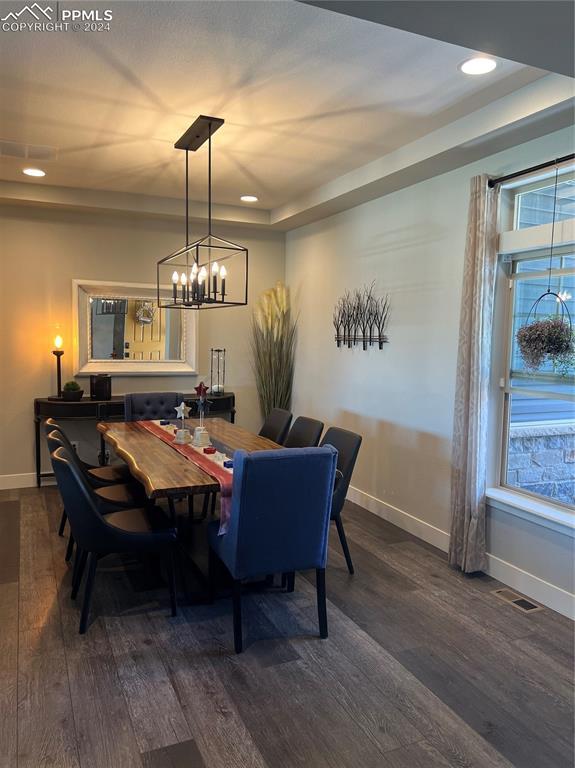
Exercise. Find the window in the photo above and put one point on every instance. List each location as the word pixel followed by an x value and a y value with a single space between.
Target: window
pixel 538 456
pixel 535 206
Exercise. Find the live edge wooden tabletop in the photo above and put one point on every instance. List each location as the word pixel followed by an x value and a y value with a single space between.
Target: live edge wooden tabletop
pixel 165 472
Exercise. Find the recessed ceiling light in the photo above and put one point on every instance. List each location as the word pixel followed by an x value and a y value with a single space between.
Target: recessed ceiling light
pixel 249 199
pixel 34 172
pixel 478 65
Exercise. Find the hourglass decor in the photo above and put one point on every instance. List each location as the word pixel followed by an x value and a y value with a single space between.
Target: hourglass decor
pixel 217 370
pixel 361 318
pixel 209 272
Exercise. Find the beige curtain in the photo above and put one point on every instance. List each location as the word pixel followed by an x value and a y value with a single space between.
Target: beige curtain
pixel 469 452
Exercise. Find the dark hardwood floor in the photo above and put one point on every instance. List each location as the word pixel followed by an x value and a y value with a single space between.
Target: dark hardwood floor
pixel 423 668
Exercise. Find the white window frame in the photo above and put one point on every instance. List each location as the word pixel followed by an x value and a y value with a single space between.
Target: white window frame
pixel 512 244
pixel 546 183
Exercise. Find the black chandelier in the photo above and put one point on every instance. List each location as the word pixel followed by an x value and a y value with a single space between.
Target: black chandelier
pixel 209 272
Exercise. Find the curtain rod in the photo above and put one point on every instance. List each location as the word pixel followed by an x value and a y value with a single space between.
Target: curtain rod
pixel 540 167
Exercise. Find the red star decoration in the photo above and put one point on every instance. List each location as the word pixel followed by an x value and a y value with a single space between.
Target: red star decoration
pixel 201 389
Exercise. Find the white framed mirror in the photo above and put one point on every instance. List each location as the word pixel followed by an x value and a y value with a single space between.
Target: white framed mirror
pixel 119 329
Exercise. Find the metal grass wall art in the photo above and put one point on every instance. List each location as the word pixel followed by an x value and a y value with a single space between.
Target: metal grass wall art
pixel 361 317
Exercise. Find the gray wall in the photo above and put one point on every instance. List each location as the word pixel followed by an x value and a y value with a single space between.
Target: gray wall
pixel 400 399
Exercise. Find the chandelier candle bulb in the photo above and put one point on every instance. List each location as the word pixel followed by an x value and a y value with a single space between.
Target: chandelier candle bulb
pixel 194 280
pixel 175 279
pixel 215 270
pixel 183 281
pixel 223 273
pixel 202 277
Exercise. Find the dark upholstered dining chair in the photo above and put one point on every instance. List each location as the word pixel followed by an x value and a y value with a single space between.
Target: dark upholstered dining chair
pixel 276 425
pixel 126 531
pixel 279 520
pixel 105 475
pixel 108 497
pixel 304 433
pixel 99 476
pixel 147 406
pixel 347 445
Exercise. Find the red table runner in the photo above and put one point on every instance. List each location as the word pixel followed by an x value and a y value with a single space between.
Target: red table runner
pixel 204 462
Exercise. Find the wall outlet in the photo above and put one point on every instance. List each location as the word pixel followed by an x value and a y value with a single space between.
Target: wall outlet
pixel 74 444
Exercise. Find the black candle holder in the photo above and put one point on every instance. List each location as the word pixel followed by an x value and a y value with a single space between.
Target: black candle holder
pixel 58 354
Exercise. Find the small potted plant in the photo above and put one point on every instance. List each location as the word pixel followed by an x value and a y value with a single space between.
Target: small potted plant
pixel 549 339
pixel 71 391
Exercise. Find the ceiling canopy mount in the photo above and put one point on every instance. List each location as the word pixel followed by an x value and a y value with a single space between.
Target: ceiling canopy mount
pixel 202 129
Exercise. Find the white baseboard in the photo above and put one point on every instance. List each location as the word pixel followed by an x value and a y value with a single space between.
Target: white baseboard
pixel 405 520
pixel 25 480
pixel 527 583
pixel 550 595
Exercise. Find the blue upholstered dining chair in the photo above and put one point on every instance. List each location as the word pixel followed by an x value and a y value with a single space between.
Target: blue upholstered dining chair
pixel 147 406
pixel 279 520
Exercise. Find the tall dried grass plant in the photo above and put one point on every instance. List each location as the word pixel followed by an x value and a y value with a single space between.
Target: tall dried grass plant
pixel 273 348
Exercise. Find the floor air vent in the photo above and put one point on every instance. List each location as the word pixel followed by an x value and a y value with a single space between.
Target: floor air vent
pixel 518 601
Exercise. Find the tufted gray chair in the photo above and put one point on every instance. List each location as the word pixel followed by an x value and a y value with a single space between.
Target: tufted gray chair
pixel 147 406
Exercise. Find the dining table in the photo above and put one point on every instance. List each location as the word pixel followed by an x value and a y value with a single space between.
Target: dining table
pixel 167 475
pixel 162 470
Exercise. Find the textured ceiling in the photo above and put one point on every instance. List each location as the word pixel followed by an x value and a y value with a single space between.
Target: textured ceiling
pixel 306 96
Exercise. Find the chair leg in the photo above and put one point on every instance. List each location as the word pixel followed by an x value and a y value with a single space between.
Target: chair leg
pixel 172 580
pixel 78 572
pixel 212 566
pixel 88 589
pixel 237 604
pixel 62 523
pixel 290 581
pixel 321 604
pixel 69 548
pixel 344 546
pixel 284 580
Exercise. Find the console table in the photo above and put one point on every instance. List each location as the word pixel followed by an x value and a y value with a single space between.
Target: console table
pixel 106 410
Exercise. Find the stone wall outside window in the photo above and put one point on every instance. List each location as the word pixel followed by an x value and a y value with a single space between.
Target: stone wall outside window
pixel 541 460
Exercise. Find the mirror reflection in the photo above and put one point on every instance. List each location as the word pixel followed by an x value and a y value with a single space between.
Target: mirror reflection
pixel 134 329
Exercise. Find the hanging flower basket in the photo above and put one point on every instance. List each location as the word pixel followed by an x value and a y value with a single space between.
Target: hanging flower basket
pixel 547 340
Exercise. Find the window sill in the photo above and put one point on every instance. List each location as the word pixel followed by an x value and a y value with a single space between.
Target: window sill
pixel 538 512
